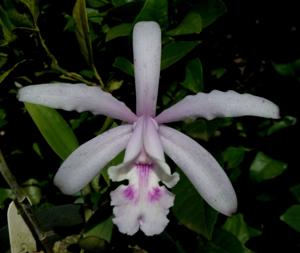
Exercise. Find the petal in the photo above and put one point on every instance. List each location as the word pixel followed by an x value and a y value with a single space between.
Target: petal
pixel 163 172
pixel 152 143
pixel 219 104
pixel 146 53
pixel 135 144
pixel 87 160
pixel 154 150
pixel 201 168
pixel 79 97
pixel 141 204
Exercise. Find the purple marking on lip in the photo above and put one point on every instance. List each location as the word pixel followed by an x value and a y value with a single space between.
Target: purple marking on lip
pixel 155 194
pixel 129 193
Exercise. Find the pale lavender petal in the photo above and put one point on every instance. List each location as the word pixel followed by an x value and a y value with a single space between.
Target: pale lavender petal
pixel 219 104
pixel 142 204
pixel 87 160
pixel 201 168
pixel 163 172
pixel 79 97
pixel 152 143
pixel 135 144
pixel 146 53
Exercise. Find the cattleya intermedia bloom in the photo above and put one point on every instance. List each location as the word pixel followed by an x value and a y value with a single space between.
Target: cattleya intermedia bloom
pixel 144 203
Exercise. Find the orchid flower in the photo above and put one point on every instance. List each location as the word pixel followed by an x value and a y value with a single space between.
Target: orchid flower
pixel 144 202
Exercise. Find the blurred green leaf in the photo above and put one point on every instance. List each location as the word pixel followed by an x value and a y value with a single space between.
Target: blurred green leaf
pixel 3 121
pixel 4 195
pixel 59 216
pixel 33 191
pixel 192 23
pixel 114 85
pixel 118 31
pixel 154 10
pixel 210 11
pixel 102 230
pixel 118 3
pixel 191 210
pixel 94 16
pixel 32 6
pixel 296 191
pixel 193 76
pixel 124 65
pixel 238 227
pixel 97 3
pixel 6 73
pixel 203 129
pixel 264 168
pixel 218 72
pixel 287 121
pixel 292 217
pixel 284 69
pixel 6 26
pixel 233 156
pixel 224 242
pixel 174 51
pixel 82 30
pixel 92 244
pixel 288 69
pixel 54 128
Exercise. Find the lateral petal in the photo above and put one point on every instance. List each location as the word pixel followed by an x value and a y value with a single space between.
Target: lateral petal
pixel 146 53
pixel 87 160
pixel 201 168
pixel 219 104
pixel 79 97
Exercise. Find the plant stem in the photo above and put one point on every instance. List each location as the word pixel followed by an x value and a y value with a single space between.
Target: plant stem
pixel 21 201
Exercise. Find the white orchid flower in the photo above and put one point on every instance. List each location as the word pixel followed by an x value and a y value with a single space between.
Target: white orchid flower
pixel 143 203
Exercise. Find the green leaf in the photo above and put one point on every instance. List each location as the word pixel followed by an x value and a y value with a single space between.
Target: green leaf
pixel 191 210
pixel 118 3
pixel 284 69
pixel 32 6
pixel 4 195
pixel 94 16
pixel 97 3
pixel 82 30
pixel 192 23
pixel 264 168
pixel 296 191
pixel 54 129
pixel 118 31
pixel 224 242
pixel 124 65
pixel 6 73
pixel 6 27
pixel 92 244
pixel 238 227
pixel 233 156
pixel 154 10
pixel 292 217
pixel 103 230
pixel 59 216
pixel 114 85
pixel 175 51
pixel 193 76
pixel 3 120
pixel 210 11
pixel 287 121
pixel 33 191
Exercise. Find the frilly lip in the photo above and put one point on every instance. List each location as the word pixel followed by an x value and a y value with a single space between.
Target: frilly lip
pixel 143 203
